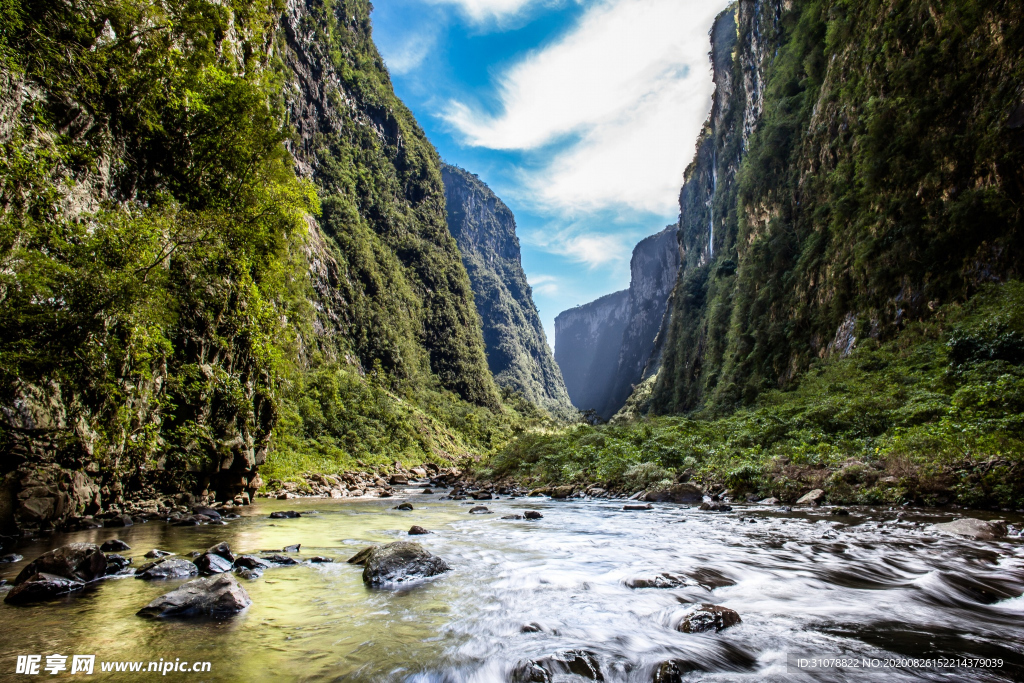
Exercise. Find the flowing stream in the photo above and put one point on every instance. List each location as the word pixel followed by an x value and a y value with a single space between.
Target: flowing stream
pixel 804 583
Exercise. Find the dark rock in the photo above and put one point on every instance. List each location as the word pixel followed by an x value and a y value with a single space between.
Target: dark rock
pixel 167 568
pixel 208 563
pixel 403 506
pixel 532 627
pixel 215 597
pixel 292 548
pixel 663 580
pixel 194 554
pixel 674 671
pixel 532 514
pixel 285 514
pixel 715 507
pixel 840 512
pixel 360 557
pixel 710 579
pixel 676 493
pixel 119 521
pixel 116 564
pixel 319 559
pixel 42 586
pixel 479 510
pixel 481 495
pixel 512 517
pixel 207 512
pixel 638 507
pixel 417 531
pixel 114 545
pixel 13 557
pixel 709 618
pixel 251 562
pixel 188 521
pixel 398 479
pixel 559 492
pixel 400 562
pixel 79 561
pixel 279 559
pixel 579 662
pixel 155 553
pixel 426 491
pixel 250 574
pixel 223 550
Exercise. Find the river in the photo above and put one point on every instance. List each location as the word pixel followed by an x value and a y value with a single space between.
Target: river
pixel 805 583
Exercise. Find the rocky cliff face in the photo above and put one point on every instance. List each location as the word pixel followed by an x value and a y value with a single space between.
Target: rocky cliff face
pixel 172 273
pixel 615 342
pixel 517 350
pixel 588 340
pixel 861 166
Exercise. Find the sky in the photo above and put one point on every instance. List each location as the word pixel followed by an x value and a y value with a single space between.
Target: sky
pixel 581 115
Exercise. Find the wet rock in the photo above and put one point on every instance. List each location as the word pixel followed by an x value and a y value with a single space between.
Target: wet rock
pixel 114 545
pixel 13 557
pixel 532 627
pixel 814 498
pixel 167 568
pixel 398 480
pixel 769 501
pixel 207 512
pixel 116 564
pixel 403 506
pixel 360 557
pixel 481 495
pixel 709 617
pixel 663 580
pixel 194 554
pixel 223 550
pixel 209 563
pixel 251 562
pixel 676 493
pixel 648 506
pixel 972 528
pixel 416 530
pixel 79 561
pixel 579 662
pixel 400 562
pixel 279 559
pixel 560 492
pixel 285 514
pixel 673 671
pixel 250 574
pixel 319 559
pixel 427 491
pixel 512 517
pixel 119 521
pixel 292 548
pixel 840 512
pixel 532 514
pixel 42 586
pixel 713 506
pixel 188 521
pixel 479 510
pixel 155 553
pixel 542 491
pixel 215 597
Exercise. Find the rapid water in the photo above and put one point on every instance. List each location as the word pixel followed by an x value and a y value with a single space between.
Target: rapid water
pixel 804 583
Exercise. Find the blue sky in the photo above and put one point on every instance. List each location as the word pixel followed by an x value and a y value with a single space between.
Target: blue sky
pixel 580 114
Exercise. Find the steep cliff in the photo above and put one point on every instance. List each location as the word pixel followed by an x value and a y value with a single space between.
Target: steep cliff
pixel 176 300
pixel 517 349
pixel 862 166
pixel 588 340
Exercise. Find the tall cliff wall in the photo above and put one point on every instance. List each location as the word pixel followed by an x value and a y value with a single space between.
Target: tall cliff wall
pixel 588 340
pixel 863 164
pixel 517 349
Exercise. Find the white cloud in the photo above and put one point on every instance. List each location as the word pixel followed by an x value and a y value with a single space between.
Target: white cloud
pixel 481 11
pixel 590 249
pixel 625 94
pixel 406 56
pixel 543 284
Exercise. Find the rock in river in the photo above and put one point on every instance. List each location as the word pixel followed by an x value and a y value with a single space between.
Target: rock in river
pixel 579 662
pixel 973 528
pixel 171 568
pixel 251 562
pixel 709 618
pixel 479 510
pixel 155 553
pixel 41 586
pixel 222 549
pixel 217 596
pixel 814 498
pixel 648 506
pixel 79 561
pixel 284 514
pixel 117 564
pixel 400 562
pixel 208 563
pixel 403 506
pixel 676 493
pixel 114 545
pixel 715 507
pixel 417 530
pixel 532 514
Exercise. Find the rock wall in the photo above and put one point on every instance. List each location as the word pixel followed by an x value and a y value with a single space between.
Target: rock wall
pixel 588 340
pixel 517 349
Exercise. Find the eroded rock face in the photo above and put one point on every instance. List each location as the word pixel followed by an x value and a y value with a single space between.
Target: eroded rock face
pixel 401 562
pixel 709 618
pixel 973 528
pixel 79 561
pixel 170 568
pixel 218 596
pixel 676 493
pixel 41 586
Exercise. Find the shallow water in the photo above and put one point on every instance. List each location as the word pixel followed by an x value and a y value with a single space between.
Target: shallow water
pixel 804 583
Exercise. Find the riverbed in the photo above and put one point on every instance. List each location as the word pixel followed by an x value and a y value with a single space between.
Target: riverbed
pixel 806 584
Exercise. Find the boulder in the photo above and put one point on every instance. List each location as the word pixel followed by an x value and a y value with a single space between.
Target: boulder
pixel 709 618
pixel 419 472
pixel 116 564
pixel 481 495
pixel 223 550
pixel 648 506
pixel 218 596
pixel 416 530
pixel 427 491
pixel 663 580
pixel 319 559
pixel 13 557
pixel 479 510
pixel 570 662
pixel 769 501
pixel 676 493
pixel 532 514
pixel 285 514
pixel 168 568
pixel 293 548
pixel 403 506
pixel 250 574
pixel 972 528
pixel 398 479
pixel 814 498
pixel 251 562
pixel 155 553
pixel 560 492
pixel 42 586
pixel 207 512
pixel 360 557
pixel 542 491
pixel 400 562
pixel 79 561
pixel 114 545
pixel 712 506
pixel 209 563
pixel 119 521
pixel 279 559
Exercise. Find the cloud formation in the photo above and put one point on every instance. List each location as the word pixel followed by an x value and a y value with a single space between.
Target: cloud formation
pixel 481 11
pixel 614 105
